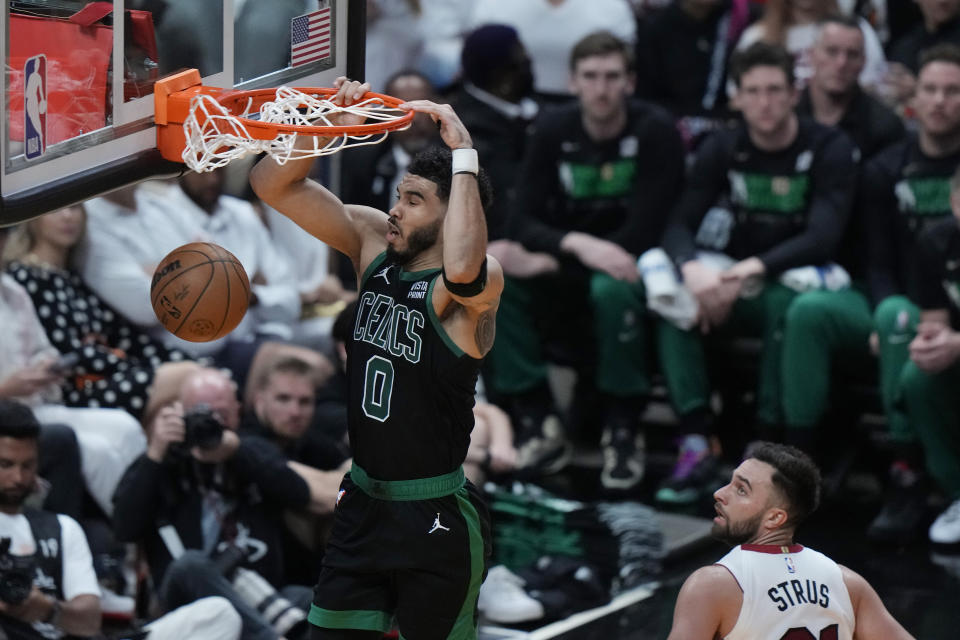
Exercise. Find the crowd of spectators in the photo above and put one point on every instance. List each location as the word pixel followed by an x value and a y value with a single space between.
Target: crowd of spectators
pixel 813 148
pixel 669 179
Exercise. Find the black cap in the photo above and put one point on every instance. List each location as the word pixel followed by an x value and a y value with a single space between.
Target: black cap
pixel 485 51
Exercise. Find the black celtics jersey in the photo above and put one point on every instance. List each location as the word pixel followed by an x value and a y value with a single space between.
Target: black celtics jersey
pixel 411 389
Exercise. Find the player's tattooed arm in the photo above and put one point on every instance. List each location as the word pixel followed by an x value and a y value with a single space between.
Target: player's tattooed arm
pixel 486 330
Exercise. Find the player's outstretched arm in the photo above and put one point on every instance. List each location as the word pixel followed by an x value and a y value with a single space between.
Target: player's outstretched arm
pixel 707 606
pixel 465 226
pixel 873 621
pixel 287 189
pixel 465 243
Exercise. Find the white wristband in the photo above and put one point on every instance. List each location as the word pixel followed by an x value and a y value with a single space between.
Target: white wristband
pixel 465 161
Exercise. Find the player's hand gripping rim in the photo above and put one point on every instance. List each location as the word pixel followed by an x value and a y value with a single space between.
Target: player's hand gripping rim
pixel 452 131
pixel 349 92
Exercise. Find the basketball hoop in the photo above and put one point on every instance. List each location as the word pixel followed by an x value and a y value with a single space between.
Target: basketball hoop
pixel 207 127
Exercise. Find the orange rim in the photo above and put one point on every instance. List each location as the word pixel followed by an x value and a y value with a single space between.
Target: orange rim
pixel 236 102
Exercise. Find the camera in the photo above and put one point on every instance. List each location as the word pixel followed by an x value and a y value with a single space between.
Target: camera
pixel 202 428
pixel 287 619
pixel 228 559
pixel 16 575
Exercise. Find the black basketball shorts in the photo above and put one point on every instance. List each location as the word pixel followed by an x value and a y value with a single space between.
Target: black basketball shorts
pixel 407 554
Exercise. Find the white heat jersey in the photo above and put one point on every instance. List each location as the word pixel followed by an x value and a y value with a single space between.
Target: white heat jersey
pixel 789 593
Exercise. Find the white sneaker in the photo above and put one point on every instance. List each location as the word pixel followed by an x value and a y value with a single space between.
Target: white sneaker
pixel 503 600
pixel 946 528
pixel 546 453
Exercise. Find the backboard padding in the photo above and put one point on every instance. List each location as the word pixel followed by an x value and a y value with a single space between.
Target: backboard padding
pixel 88 163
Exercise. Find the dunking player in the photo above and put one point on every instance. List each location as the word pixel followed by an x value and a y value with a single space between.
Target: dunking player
pixel 768 586
pixel 410 536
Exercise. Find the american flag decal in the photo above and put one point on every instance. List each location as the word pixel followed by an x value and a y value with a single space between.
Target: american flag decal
pixel 310 36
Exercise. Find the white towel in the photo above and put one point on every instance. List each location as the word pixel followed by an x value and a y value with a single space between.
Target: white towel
pixel 830 276
pixel 665 295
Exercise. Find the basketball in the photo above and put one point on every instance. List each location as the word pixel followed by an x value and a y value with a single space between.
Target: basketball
pixel 200 292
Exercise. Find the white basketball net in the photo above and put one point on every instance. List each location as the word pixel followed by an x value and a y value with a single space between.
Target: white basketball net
pixel 215 137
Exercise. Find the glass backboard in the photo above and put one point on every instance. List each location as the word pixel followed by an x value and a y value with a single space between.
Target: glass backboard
pixel 77 120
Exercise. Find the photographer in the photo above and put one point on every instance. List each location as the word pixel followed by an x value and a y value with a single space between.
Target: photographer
pixel 68 600
pixel 48 588
pixel 201 502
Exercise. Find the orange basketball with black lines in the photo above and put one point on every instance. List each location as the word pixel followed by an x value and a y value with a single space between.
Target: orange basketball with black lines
pixel 200 292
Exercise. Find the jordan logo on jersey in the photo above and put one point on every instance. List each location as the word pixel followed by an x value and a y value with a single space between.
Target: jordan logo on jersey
pixel 394 328
pixel 437 525
pixel 385 274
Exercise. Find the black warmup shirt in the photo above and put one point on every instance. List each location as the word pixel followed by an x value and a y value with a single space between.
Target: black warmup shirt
pixel 314 448
pixel 676 56
pixel 904 192
pixel 619 189
pixel 939 288
pixel 411 388
pixel 871 125
pixel 908 48
pixel 499 142
pixel 789 208
pixel 257 486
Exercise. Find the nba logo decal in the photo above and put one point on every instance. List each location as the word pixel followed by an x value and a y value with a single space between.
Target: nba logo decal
pixel 340 495
pixel 790 567
pixel 35 107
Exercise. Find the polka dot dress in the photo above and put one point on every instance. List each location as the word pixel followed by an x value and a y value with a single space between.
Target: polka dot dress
pixel 117 360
